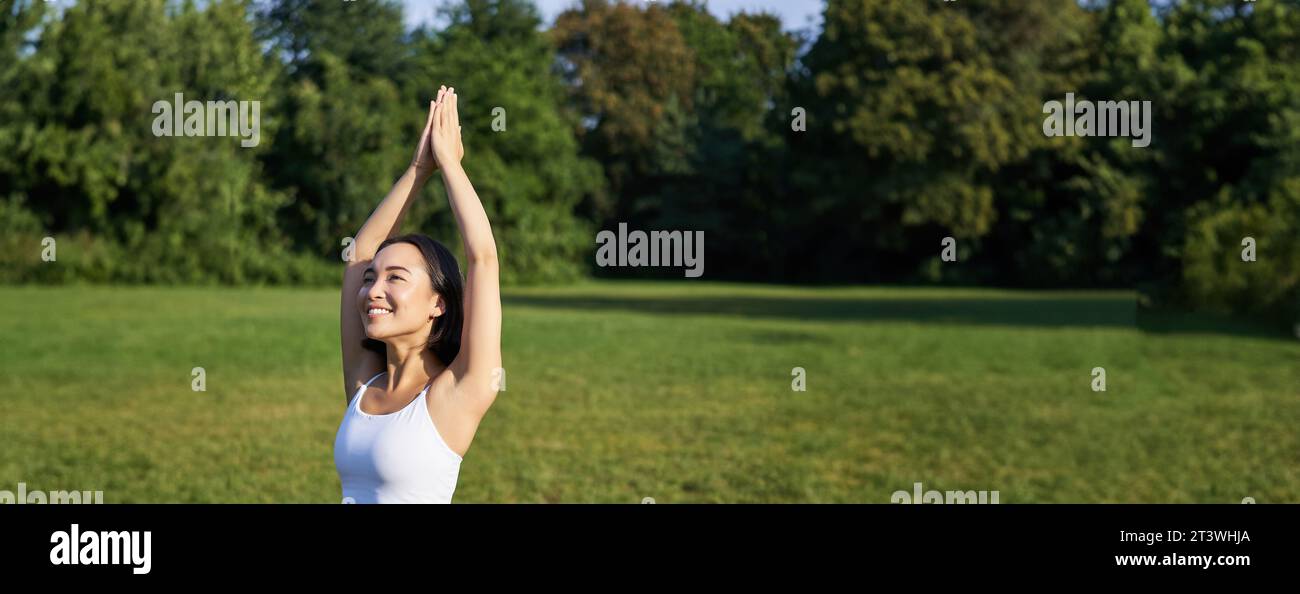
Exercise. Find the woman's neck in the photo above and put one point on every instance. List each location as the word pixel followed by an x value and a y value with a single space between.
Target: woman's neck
pixel 411 365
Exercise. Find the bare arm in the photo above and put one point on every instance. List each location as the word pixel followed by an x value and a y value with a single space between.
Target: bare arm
pixel 476 367
pixel 360 364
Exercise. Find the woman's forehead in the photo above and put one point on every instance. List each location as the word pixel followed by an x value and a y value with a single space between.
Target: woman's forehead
pixel 399 254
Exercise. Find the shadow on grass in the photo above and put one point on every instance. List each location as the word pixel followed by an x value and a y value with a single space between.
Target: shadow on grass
pixel 1045 311
pixel 1156 321
pixel 1031 311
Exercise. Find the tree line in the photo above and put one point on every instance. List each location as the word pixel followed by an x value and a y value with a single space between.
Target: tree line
pixel 845 154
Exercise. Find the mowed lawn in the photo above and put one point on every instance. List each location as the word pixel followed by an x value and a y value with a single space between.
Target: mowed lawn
pixel 678 391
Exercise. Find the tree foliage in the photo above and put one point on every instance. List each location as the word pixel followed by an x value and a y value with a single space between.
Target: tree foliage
pixel 841 154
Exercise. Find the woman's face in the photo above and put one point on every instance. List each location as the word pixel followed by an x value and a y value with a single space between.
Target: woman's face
pixel 396 296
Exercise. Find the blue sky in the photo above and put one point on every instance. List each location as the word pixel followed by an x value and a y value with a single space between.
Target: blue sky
pixel 794 14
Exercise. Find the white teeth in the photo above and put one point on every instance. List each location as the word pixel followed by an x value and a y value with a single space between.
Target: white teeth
pixel 378 311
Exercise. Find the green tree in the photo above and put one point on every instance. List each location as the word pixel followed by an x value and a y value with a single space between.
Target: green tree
pixel 1070 211
pixel 85 154
pixel 346 133
pixel 631 79
pixel 733 186
pixel 521 149
pixel 911 111
pixel 1231 167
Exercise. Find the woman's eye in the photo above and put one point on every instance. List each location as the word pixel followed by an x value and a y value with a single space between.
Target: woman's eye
pixel 394 277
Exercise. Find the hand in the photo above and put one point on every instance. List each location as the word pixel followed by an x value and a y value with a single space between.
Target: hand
pixel 423 159
pixel 444 131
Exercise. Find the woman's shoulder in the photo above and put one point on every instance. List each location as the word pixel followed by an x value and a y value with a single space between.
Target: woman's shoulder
pixel 362 375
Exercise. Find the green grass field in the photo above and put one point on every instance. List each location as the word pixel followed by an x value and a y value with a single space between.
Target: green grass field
pixel 677 391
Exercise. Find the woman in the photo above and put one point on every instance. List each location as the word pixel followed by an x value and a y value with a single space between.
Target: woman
pixel 406 317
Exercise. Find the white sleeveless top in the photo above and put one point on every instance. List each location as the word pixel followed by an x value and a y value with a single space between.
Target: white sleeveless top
pixel 394 458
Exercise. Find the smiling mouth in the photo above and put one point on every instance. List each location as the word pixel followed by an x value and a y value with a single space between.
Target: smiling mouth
pixel 376 312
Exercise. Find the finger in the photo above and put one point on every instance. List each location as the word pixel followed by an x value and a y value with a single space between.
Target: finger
pixel 429 122
pixel 441 91
pixel 455 110
pixel 446 107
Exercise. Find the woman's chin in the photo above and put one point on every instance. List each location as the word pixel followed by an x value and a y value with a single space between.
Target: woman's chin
pixel 377 332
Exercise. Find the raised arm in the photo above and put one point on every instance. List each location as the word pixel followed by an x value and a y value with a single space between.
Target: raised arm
pixel 360 364
pixel 476 367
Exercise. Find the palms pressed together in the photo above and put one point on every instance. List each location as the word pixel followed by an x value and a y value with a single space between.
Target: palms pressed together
pixel 440 142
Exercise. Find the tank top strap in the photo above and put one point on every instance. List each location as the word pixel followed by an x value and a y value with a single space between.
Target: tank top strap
pixel 356 398
pixel 424 394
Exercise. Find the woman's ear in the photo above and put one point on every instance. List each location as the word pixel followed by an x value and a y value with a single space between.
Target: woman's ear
pixel 438 307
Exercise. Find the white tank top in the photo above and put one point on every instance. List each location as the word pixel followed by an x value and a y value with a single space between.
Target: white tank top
pixel 394 458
